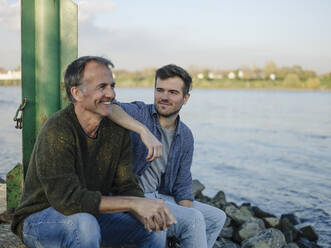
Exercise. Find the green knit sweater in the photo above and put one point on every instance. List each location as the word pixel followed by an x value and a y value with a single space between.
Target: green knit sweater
pixel 70 171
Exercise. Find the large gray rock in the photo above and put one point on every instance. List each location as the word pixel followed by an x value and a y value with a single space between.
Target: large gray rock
pixel 2 181
pixel 269 238
pixel 239 216
pixel 247 208
pixel 219 200
pixel 292 218
pixel 260 213
pixel 271 222
pixel 227 232
pixel 290 232
pixel 309 233
pixel 225 243
pixel 197 187
pixel 203 198
pixel 250 228
pixel 228 221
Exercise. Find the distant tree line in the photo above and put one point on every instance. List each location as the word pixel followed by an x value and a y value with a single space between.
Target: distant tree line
pixel 270 76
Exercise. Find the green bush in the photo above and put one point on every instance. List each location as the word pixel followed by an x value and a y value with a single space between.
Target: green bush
pixel 292 81
pixel 313 83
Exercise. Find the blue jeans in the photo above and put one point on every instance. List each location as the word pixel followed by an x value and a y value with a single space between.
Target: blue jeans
pixel 196 227
pixel 49 228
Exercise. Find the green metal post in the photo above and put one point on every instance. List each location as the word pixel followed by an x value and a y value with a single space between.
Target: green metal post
pixel 28 78
pixel 47 57
pixel 49 44
pixel 68 41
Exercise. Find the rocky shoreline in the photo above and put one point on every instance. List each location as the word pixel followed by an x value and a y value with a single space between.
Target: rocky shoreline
pixel 247 226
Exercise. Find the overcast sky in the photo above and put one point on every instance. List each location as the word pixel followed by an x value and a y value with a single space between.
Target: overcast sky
pixel 218 34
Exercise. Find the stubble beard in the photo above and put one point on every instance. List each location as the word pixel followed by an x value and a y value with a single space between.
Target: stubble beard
pixel 167 115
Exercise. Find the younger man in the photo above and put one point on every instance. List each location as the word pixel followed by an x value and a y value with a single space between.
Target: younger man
pixel 169 177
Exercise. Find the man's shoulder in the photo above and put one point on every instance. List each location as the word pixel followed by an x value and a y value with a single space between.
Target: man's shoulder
pixel 60 122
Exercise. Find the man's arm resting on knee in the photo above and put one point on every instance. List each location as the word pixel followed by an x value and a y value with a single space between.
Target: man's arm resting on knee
pixel 154 214
pixel 120 117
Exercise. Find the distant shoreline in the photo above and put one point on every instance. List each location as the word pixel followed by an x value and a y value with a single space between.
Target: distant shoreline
pixel 10 82
pixel 16 83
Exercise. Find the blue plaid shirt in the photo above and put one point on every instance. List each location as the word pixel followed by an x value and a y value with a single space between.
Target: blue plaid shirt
pixel 177 179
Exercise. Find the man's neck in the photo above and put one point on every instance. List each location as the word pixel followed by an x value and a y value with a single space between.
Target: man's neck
pixel 168 122
pixel 88 121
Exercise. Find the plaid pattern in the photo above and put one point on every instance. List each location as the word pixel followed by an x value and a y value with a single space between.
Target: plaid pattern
pixel 177 179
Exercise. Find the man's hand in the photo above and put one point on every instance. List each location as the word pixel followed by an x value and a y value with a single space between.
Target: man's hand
pixel 154 214
pixel 120 117
pixel 152 144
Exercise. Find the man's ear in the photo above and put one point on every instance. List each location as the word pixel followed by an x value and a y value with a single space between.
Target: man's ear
pixel 186 97
pixel 76 93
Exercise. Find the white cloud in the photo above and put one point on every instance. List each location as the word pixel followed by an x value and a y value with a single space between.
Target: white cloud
pixel 9 15
pixel 89 10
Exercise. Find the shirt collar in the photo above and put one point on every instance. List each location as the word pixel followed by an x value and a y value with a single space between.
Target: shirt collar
pixel 156 117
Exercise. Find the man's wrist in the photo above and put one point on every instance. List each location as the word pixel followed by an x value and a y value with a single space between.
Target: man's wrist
pixel 132 203
pixel 115 204
pixel 141 129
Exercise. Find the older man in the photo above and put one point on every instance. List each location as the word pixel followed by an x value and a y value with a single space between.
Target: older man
pixel 79 189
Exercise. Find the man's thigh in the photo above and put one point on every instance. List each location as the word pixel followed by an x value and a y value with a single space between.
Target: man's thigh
pixel 49 228
pixel 209 212
pixel 123 228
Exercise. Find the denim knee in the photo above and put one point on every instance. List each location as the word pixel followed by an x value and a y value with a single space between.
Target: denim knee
pixel 219 218
pixel 196 221
pixel 87 230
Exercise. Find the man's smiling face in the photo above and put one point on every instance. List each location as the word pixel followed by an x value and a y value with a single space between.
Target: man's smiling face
pixel 97 89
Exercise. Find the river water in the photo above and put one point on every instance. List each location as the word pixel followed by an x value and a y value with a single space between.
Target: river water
pixel 270 148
